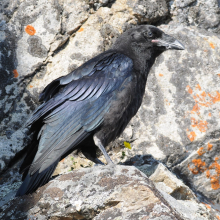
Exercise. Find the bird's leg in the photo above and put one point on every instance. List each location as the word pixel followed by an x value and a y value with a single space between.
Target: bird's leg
pixel 101 147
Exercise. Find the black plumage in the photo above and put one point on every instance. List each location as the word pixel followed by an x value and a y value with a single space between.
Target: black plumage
pixel 92 105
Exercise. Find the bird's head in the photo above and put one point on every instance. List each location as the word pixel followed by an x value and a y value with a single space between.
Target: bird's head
pixel 152 37
pixel 144 38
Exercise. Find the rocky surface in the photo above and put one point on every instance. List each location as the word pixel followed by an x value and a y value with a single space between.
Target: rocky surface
pixel 201 13
pixel 179 121
pixel 104 192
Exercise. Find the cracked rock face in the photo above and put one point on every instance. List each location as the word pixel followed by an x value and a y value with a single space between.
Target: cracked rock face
pixel 201 13
pixel 103 192
pixel 178 122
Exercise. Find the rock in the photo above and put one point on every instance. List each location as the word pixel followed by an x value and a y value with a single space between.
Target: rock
pixel 96 4
pixel 72 162
pixel 169 183
pixel 103 192
pixel 148 11
pixel 201 168
pixel 201 13
pixel 9 183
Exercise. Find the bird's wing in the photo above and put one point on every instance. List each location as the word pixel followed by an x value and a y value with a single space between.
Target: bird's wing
pixel 57 91
pixel 78 108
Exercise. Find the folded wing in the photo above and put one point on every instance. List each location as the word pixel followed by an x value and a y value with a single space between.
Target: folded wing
pixel 75 106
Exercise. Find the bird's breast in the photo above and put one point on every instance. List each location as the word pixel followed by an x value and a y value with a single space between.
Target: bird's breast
pixel 124 106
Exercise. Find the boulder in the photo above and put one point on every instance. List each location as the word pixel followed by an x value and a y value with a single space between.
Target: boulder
pixel 103 192
pixel 201 13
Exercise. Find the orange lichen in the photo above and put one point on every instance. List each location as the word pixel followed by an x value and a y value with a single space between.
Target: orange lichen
pixel 216 98
pixel 198 87
pixel 203 94
pixel 201 125
pixel 210 146
pixel 218 74
pixel 208 173
pixel 208 206
pixel 195 109
pixel 199 166
pixel 160 74
pixel 31 86
pixel 200 99
pixel 214 179
pixel 217 217
pixel 81 29
pixel 215 182
pixel 190 91
pixel 203 98
pixel 200 151
pixel 212 45
pixel 191 135
pixel 15 73
pixel 62 160
pixel 30 30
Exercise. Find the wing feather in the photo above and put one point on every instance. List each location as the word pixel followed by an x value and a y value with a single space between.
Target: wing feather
pixel 78 108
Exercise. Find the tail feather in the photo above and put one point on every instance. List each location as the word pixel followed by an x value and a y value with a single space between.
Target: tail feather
pixel 32 182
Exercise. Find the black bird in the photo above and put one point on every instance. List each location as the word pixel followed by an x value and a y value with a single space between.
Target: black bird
pixel 91 106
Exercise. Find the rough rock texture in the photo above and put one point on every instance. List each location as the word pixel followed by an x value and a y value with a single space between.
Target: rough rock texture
pixel 169 183
pixel 178 123
pixel 103 192
pixel 201 13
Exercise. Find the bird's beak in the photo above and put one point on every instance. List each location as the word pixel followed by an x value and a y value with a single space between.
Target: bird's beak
pixel 168 42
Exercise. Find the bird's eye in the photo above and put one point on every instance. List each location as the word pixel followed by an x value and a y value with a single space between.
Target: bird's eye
pixel 148 34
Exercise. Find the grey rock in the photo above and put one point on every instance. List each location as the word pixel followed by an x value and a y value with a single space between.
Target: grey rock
pixel 104 192
pixel 201 13
pixel 201 167
pixel 36 48
pixel 148 11
pixel 169 183
pixel 181 110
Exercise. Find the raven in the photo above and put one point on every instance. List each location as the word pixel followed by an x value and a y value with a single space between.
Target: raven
pixel 91 106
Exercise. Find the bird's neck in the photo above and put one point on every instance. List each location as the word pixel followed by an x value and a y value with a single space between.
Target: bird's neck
pixel 143 58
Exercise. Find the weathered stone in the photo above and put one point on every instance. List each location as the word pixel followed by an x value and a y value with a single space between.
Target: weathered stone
pixel 148 11
pixel 201 13
pixel 104 192
pixel 169 183
pixel 201 169
pixel 75 13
